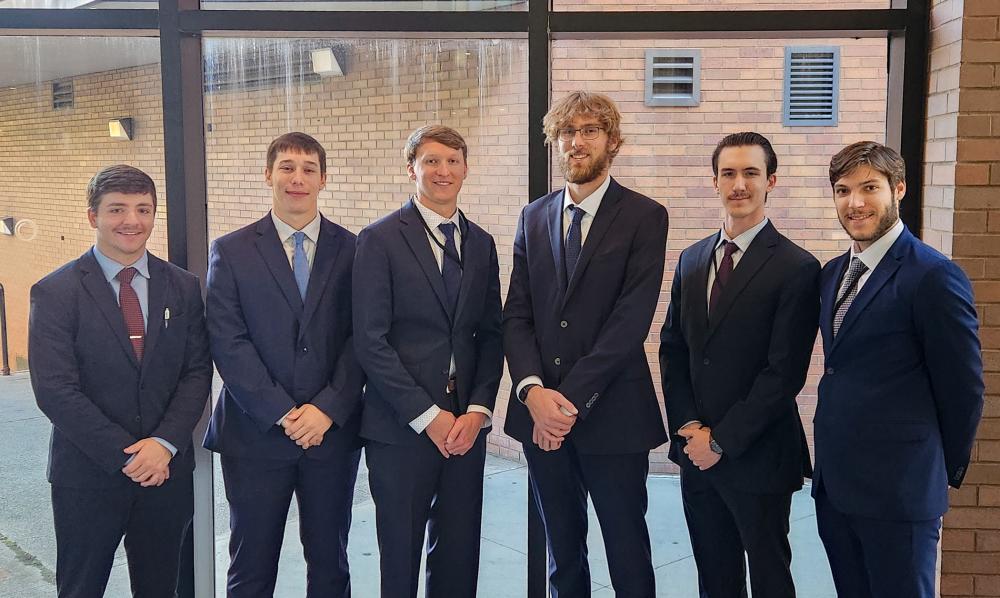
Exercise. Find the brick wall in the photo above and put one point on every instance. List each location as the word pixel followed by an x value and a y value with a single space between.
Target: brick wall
pixel 667 154
pixel 965 69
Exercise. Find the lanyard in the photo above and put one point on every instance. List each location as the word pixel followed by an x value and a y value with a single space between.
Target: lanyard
pixel 463 227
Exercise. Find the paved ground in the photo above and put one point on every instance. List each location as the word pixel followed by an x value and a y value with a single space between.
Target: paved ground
pixel 27 553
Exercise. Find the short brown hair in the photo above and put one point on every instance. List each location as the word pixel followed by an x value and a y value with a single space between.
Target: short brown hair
pixel 744 139
pixel 880 158
pixel 584 102
pixel 120 178
pixel 296 142
pixel 440 133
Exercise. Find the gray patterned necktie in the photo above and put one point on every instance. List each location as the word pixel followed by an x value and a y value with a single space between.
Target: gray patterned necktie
pixel 848 291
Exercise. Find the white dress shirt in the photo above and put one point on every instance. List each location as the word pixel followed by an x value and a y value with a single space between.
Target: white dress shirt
pixel 433 220
pixel 742 241
pixel 873 255
pixel 589 205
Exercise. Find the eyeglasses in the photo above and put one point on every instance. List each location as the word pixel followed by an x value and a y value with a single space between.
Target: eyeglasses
pixel 589 132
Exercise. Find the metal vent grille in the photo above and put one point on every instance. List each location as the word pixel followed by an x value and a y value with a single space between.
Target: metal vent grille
pixel 673 77
pixel 812 85
pixel 62 94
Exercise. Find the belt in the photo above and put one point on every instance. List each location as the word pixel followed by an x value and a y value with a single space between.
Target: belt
pixel 450 389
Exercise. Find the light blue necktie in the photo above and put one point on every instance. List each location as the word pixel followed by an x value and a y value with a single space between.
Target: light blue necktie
pixel 300 264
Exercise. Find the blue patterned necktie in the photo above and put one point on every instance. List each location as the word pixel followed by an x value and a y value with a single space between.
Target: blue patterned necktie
pixel 848 291
pixel 574 241
pixel 451 268
pixel 300 264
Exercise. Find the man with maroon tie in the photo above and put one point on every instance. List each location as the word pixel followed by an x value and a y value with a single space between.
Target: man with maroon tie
pixel 119 362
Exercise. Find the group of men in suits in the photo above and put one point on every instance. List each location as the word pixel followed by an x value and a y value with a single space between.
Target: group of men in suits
pixel 396 338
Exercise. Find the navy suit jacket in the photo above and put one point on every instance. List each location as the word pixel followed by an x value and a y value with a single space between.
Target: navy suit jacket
pixel 739 369
pixel 903 389
pixel 87 380
pixel 584 336
pixel 405 336
pixel 276 352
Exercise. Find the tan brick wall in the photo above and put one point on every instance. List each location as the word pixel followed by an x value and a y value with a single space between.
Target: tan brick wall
pixel 668 150
pixel 46 159
pixel 968 32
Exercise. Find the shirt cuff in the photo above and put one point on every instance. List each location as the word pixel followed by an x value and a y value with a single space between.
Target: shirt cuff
pixel 167 445
pixel 527 380
pixel 480 409
pixel 281 422
pixel 423 420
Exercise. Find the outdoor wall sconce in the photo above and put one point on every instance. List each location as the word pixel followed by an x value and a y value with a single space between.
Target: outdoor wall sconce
pixel 120 128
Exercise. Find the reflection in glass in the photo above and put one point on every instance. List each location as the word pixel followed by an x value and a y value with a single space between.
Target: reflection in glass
pixel 369 5
pixel 361 99
pixel 713 5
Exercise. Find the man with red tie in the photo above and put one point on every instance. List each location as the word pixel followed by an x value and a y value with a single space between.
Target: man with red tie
pixel 119 362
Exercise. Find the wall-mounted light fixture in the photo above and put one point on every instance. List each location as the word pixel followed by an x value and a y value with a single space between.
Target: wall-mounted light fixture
pixel 326 64
pixel 120 128
pixel 6 225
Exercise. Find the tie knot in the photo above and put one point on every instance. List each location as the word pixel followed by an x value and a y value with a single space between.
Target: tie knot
pixel 125 275
pixel 577 214
pixel 730 248
pixel 300 238
pixel 448 228
pixel 857 266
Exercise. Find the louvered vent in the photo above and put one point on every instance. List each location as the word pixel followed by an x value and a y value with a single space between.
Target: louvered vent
pixel 62 94
pixel 812 86
pixel 673 77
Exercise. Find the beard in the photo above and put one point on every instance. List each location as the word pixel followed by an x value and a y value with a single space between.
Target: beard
pixel 586 172
pixel 887 221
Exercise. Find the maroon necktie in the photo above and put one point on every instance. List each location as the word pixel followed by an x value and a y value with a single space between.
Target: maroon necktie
pixel 722 274
pixel 131 310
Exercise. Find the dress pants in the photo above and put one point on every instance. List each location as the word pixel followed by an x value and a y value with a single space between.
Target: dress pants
pixel 873 558
pixel 90 523
pixel 414 488
pixel 260 491
pixel 724 524
pixel 561 481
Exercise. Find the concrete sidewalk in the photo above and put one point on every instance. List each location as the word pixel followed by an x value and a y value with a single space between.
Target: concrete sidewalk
pixel 27 553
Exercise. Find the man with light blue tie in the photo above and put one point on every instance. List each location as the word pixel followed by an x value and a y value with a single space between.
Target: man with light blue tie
pixel 119 364
pixel 286 421
pixel 427 316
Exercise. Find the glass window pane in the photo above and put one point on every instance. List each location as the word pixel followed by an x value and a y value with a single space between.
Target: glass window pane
pixel 58 96
pixel 667 156
pixel 711 5
pixel 361 99
pixel 368 5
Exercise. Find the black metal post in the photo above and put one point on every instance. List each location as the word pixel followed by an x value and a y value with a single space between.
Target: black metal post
pixel 5 369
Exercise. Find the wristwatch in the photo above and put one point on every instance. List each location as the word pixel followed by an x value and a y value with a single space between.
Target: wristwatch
pixel 523 395
pixel 712 444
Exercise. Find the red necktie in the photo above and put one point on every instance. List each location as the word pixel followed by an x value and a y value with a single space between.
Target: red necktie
pixel 131 310
pixel 722 275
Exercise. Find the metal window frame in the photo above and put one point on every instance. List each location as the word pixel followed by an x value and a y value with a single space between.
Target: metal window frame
pixel 652 99
pixel 786 99
pixel 180 25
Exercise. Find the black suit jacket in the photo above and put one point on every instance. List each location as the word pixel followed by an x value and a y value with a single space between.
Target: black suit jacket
pixel 739 369
pixel 584 336
pixel 275 351
pixel 404 335
pixel 87 380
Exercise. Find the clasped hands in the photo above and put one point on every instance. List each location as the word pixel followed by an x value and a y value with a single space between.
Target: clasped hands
pixel 455 435
pixel 697 447
pixel 149 464
pixel 554 416
pixel 306 425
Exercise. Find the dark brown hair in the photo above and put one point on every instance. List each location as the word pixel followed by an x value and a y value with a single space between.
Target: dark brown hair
pixel 744 139
pixel 296 142
pixel 880 158
pixel 120 178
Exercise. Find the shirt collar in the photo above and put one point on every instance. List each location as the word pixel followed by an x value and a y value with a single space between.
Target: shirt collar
pixel 285 230
pixel 592 202
pixel 744 239
pixel 111 268
pixel 877 250
pixel 432 218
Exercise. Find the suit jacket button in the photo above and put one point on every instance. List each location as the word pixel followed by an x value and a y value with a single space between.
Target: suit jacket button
pixel 707 361
pixel 138 419
pixel 829 371
pixel 557 361
pixel 564 323
pixel 305 349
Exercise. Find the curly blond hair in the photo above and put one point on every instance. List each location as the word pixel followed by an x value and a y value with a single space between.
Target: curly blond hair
pixel 597 105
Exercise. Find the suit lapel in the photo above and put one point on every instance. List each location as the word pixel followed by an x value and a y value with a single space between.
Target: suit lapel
pixel 760 251
pixel 416 236
pixel 554 218
pixel 475 249
pixel 828 297
pixel 323 262
pixel 882 273
pixel 159 288
pixel 274 256
pixel 697 298
pixel 104 297
pixel 605 216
